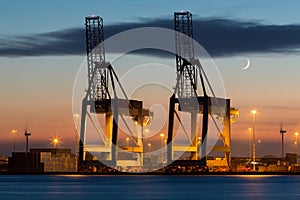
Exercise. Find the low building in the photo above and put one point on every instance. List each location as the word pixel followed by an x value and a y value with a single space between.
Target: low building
pixel 42 160
pixel 57 160
pixel 3 163
pixel 291 158
pixel 22 162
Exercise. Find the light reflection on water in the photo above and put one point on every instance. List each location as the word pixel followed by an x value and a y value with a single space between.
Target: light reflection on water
pixel 149 187
pixel 254 176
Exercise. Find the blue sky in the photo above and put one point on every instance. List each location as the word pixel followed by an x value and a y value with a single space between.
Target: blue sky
pixel 49 78
pixel 41 16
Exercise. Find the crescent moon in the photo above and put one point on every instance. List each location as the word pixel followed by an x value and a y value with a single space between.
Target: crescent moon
pixel 247 65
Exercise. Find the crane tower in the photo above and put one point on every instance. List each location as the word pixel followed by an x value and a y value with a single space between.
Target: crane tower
pixel 186 98
pixel 102 99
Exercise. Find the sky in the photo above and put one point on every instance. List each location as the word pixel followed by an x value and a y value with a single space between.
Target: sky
pixel 42 47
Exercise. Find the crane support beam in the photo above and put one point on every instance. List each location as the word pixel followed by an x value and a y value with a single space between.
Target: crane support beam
pixel 187 98
pixel 102 99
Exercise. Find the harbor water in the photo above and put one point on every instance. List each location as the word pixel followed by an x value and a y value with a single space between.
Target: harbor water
pixel 148 187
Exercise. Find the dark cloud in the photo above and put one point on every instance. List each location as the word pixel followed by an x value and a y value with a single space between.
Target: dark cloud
pixel 220 37
pixel 64 42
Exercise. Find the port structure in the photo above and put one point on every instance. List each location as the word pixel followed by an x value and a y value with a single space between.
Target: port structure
pixel 186 98
pixel 102 99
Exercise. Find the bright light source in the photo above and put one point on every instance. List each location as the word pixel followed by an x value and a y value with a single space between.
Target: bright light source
pixel 253 111
pixel 55 141
pixel 296 133
pixel 162 135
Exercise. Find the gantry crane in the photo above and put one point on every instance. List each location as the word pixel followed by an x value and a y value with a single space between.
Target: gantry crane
pixel 102 99
pixel 186 98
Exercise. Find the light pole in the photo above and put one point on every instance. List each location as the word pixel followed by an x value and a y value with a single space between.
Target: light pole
pixel 55 142
pixel 147 140
pixel 162 145
pixel 149 148
pixel 14 131
pixel 199 140
pixel 127 141
pixel 165 153
pixel 295 145
pixel 296 134
pixel 250 142
pixel 259 148
pixel 253 138
pixel 162 139
pixel 199 147
pixel 76 116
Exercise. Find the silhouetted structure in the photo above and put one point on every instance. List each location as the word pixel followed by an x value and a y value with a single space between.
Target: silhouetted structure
pixel 187 98
pixel 42 160
pixel 282 132
pixel 27 134
pixel 23 162
pixel 100 100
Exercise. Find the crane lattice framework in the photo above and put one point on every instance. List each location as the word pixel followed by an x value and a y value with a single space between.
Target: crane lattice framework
pixel 184 50
pixel 186 96
pixel 102 99
pixel 97 75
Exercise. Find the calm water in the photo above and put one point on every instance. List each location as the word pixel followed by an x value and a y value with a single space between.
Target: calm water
pixel 149 187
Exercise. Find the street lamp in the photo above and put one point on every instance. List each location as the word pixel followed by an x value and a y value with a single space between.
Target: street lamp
pixel 55 141
pixel 162 145
pixel 76 116
pixel 162 139
pixel 259 148
pixel 253 112
pixel 127 141
pixel 199 147
pixel 295 145
pixel 199 140
pixel 296 134
pixel 250 142
pixel 14 131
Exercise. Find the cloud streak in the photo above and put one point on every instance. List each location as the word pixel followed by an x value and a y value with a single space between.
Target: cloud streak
pixel 220 37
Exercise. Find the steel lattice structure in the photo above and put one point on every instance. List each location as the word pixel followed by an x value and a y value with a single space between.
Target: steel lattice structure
pixel 188 100
pixel 97 75
pixel 100 101
pixel 184 51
